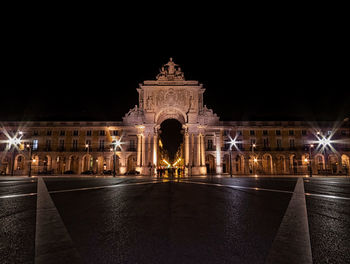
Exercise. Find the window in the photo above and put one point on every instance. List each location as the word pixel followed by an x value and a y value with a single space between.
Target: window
pixel 102 144
pixel 75 144
pixel 102 132
pixel 35 132
pixel 265 132
pixel 88 133
pixel 61 144
pixel 266 143
pixel 252 144
pixel 239 133
pixel 210 144
pixel 48 145
pixel 278 132
pixel 35 144
pixel 291 132
pixel 291 143
pixel 132 144
pixel 75 133
pixel 115 133
pixel 49 133
pixel 303 132
pixel 279 143
pixel 62 133
pixel 252 132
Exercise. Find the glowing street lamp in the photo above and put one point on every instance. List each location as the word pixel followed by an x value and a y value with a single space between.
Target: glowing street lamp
pixel 116 144
pixel 232 142
pixel 13 142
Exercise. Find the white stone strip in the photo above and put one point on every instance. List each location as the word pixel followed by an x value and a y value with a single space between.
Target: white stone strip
pixel 104 187
pixel 78 189
pixel 267 190
pixel 16 195
pixel 53 244
pixel 237 187
pixel 292 242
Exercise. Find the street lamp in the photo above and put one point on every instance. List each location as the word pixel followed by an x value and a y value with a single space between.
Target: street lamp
pixel 12 143
pixel 116 144
pixel 255 160
pixel 311 146
pixel 232 142
pixel 29 148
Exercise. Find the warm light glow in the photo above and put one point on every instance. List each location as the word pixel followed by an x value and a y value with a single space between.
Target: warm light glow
pixel 14 141
pixel 176 162
pixel 117 143
pixel 167 163
pixel 255 160
pixel 234 142
pixel 306 160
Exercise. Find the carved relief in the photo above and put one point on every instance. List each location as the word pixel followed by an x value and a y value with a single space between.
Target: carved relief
pixel 170 98
pixel 149 103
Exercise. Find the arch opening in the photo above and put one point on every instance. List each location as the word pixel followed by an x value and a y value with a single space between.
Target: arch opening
pixel 171 137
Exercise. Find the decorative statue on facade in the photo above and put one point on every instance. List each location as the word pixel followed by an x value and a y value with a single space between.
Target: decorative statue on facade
pixel 170 71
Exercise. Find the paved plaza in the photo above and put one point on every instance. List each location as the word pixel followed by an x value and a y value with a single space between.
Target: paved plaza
pixel 209 219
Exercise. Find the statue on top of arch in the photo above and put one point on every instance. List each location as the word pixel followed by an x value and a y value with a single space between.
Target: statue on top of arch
pixel 170 72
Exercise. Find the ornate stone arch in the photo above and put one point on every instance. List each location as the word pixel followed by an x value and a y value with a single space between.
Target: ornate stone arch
pixel 170 113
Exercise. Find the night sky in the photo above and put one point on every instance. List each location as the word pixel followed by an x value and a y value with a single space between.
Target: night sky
pixel 266 69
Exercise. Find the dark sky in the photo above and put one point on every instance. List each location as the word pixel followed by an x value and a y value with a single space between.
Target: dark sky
pixel 265 68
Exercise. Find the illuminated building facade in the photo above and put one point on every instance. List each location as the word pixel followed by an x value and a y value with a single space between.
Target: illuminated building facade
pixel 209 145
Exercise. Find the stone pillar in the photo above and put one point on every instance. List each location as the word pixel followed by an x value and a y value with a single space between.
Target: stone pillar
pixel 202 151
pixel 187 154
pixel 143 154
pixel 155 150
pixel 198 149
pixel 218 154
pixel 122 163
pixel 199 155
pixel 139 141
pixel 149 148
pixel 191 154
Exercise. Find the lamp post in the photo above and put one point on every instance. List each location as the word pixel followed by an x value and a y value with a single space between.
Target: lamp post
pixel 87 146
pixel 255 160
pixel 114 158
pixel 13 143
pixel 29 148
pixel 116 144
pixel 232 142
pixel 310 159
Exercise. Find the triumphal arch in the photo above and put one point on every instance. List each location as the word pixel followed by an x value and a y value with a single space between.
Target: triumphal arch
pixel 171 96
